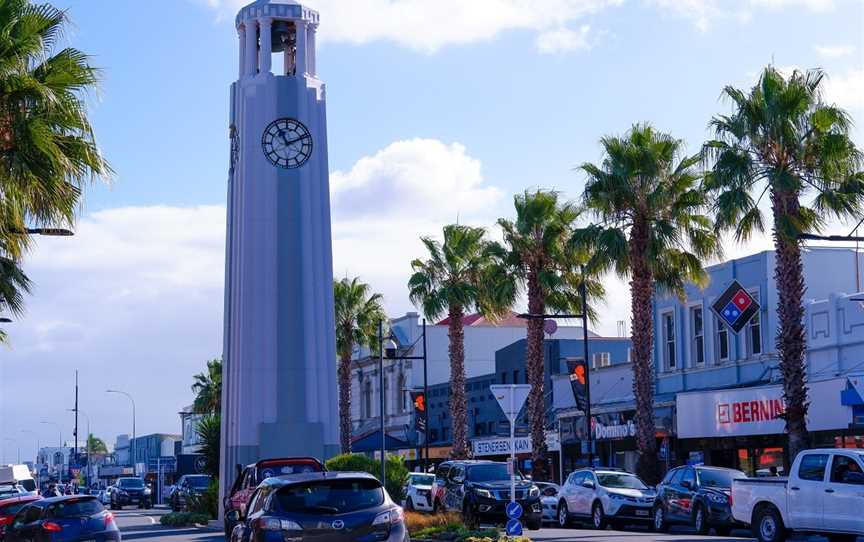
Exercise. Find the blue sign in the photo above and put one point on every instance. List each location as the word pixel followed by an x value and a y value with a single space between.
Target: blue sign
pixel 514 510
pixel 514 528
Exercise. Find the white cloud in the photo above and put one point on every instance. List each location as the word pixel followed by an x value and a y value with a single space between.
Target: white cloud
pixel 564 39
pixel 846 89
pixel 703 13
pixel 834 51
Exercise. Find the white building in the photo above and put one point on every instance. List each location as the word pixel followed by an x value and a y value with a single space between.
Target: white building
pixel 191 441
pixel 482 339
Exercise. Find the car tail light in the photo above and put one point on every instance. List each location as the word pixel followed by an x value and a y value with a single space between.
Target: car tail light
pixel 109 519
pixel 730 500
pixel 51 527
pixel 5 520
pixel 276 524
pixel 390 517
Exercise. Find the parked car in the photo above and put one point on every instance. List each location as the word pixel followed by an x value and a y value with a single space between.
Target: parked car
pixel 104 496
pixel 418 491
pixel 549 500
pixel 249 477
pixel 480 491
pixel 824 495
pixel 188 486
pixel 18 475
pixel 331 506
pixel 603 496
pixel 10 507
pixel 63 519
pixel 9 491
pixel 129 490
pixel 698 497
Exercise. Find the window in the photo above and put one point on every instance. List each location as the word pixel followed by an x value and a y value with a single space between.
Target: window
pixel 722 347
pixel 387 386
pixel 441 472
pixel 676 478
pixel 600 359
pixel 503 378
pixel 367 399
pixel 401 394
pixel 629 354
pixel 844 469
pixel 689 476
pixel 754 335
pixel 516 376
pixel 669 339
pixel 342 495
pixel 697 328
pixel 813 467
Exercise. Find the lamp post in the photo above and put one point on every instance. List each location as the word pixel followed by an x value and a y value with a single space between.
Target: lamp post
pixel 87 441
pixel 391 351
pixel 60 432
pixel 132 446
pixel 383 399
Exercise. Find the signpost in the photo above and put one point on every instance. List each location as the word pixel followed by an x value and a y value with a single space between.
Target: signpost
pixel 511 398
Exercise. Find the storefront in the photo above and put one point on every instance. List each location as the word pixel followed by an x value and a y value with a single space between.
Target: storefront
pixel 743 428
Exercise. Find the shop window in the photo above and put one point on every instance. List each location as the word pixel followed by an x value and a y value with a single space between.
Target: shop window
pixel 669 340
pixel 754 336
pixel 813 467
pixel 721 349
pixel 697 328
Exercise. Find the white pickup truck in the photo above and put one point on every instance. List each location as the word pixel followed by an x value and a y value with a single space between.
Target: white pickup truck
pixel 824 495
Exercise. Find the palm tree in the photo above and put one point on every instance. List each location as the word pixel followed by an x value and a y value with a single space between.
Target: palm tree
pixel 451 281
pixel 208 389
pixel 537 258
pixel 209 431
pixel 13 285
pixel 784 141
pixel 47 146
pixel 652 229
pixel 357 317
pixel 96 445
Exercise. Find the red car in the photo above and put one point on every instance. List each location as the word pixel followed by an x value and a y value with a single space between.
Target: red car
pixel 249 478
pixel 10 507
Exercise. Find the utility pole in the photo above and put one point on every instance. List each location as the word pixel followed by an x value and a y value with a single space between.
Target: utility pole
pixel 75 449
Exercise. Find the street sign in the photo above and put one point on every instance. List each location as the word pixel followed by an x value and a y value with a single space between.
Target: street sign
pixel 514 510
pixel 514 528
pixel 510 397
pixel 735 306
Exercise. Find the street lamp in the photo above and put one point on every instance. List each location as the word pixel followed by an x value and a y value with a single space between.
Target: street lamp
pixel 87 441
pixel 50 232
pixel 60 432
pixel 132 447
pixel 391 350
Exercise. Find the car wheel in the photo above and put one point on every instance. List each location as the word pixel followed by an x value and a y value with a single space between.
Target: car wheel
pixel 768 525
pixel 700 522
pixel 563 515
pixel 660 524
pixel 534 525
pixel 723 531
pixel 598 518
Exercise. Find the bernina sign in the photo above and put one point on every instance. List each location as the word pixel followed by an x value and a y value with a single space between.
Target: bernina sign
pixel 757 411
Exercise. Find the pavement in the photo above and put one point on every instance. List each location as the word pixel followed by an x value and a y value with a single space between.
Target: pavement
pixel 138 524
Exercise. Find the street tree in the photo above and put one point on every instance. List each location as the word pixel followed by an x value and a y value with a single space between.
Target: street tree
pixel 207 387
pixel 450 281
pixel 96 445
pixel 13 285
pixel 782 140
pixel 358 313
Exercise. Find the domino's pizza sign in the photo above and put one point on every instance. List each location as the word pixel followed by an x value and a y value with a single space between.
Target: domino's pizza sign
pixel 735 306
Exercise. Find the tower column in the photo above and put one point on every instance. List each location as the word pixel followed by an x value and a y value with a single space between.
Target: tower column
pixel 313 68
pixel 266 49
pixel 302 48
pixel 251 47
pixel 241 33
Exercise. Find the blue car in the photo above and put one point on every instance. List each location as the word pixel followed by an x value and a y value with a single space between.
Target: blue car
pixel 326 506
pixel 73 518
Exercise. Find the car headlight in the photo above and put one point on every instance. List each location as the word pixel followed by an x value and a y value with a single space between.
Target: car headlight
pixel 534 492
pixel 719 499
pixel 147 491
pixel 485 493
pixel 617 497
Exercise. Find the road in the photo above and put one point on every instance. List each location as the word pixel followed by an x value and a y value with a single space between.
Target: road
pixel 144 525
pixel 634 535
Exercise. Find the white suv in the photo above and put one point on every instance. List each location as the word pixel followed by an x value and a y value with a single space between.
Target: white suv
pixel 603 496
pixel 418 491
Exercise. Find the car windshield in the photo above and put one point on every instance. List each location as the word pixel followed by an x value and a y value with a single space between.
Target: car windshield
pixel 331 496
pixel 718 478
pixel 422 479
pixel 131 482
pixel 12 509
pixel 489 472
pixel 620 481
pixel 75 508
pixel 198 482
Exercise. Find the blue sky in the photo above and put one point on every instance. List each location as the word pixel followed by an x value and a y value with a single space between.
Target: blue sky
pixel 436 110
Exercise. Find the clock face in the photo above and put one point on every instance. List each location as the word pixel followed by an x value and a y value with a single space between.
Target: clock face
pixel 287 143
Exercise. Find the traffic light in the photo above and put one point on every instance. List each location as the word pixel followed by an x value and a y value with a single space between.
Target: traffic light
pixel 419 400
pixel 578 370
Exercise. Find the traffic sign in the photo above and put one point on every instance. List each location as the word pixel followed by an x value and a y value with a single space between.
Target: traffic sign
pixel 735 306
pixel 510 397
pixel 514 528
pixel 514 510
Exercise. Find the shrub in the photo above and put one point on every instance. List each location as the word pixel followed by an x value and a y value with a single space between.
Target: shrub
pixel 397 473
pixel 207 503
pixel 183 519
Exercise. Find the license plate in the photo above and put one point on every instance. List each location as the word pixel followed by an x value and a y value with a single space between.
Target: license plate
pixel 641 512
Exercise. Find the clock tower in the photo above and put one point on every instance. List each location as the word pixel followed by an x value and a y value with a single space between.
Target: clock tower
pixel 279 356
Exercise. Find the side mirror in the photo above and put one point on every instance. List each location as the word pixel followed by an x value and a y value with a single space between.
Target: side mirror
pixel 234 515
pixel 588 483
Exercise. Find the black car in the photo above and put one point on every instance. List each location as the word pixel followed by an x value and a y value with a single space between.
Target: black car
pixel 72 518
pixel 128 491
pixel 480 491
pixel 327 506
pixel 696 496
pixel 188 487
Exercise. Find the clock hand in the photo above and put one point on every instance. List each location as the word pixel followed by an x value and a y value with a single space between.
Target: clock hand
pixel 282 135
pixel 301 138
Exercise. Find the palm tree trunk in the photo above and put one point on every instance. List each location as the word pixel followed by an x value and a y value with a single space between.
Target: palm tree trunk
pixel 642 292
pixel 791 341
pixel 535 377
pixel 345 396
pixel 458 401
